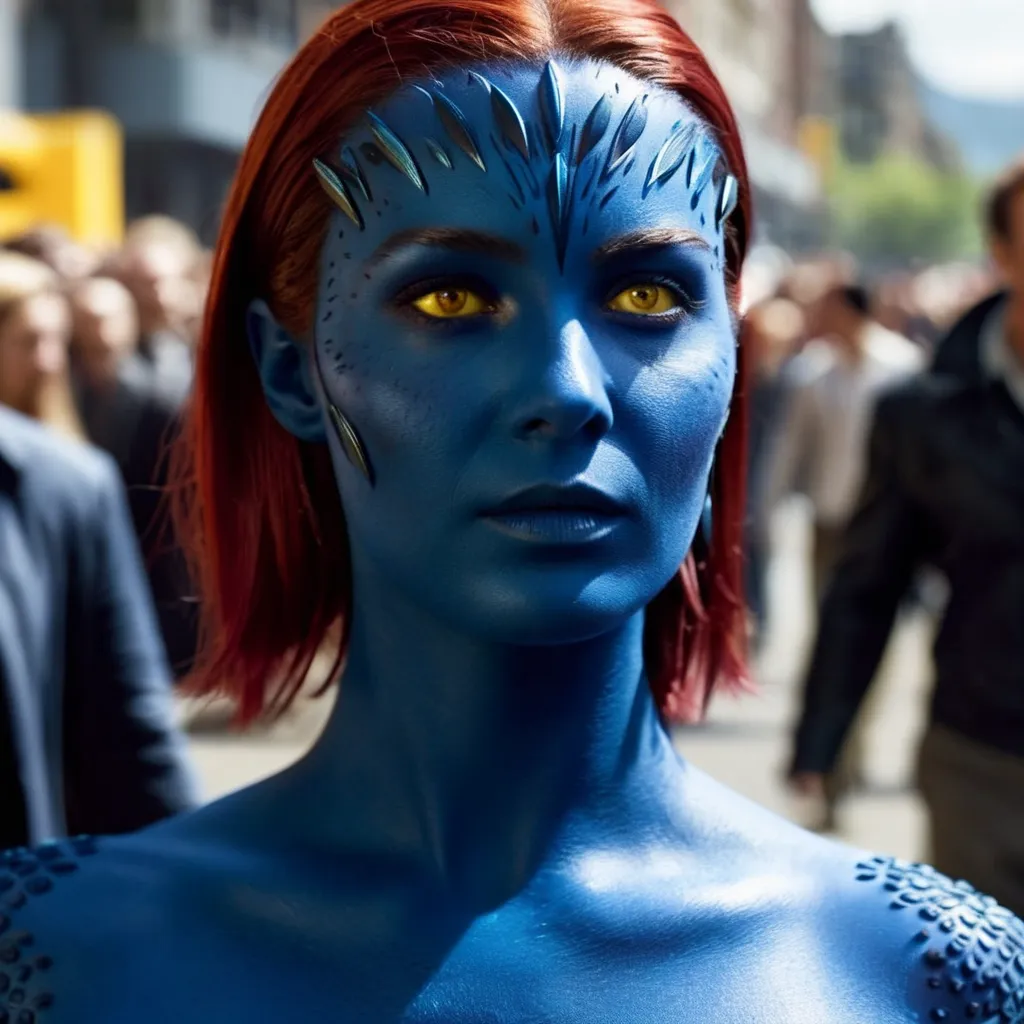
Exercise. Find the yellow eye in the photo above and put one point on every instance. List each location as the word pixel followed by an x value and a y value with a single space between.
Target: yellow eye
pixel 449 303
pixel 645 300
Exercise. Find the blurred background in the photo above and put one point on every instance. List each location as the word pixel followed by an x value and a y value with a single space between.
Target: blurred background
pixel 868 124
pixel 872 129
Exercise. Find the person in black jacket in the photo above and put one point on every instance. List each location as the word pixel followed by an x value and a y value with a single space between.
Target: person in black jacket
pixel 133 413
pixel 87 740
pixel 945 488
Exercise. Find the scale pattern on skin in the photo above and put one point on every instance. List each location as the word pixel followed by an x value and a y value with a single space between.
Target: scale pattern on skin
pixel 972 949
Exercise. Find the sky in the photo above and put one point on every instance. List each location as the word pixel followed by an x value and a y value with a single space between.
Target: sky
pixel 968 47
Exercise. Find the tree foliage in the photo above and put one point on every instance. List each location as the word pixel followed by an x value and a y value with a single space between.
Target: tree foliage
pixel 899 211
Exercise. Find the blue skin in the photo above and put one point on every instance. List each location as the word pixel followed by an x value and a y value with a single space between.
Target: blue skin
pixel 520 647
pixel 494 826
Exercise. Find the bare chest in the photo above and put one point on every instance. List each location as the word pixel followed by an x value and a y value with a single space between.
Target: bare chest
pixel 508 968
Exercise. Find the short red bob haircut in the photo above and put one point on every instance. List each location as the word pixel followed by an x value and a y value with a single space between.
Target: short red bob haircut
pixel 258 509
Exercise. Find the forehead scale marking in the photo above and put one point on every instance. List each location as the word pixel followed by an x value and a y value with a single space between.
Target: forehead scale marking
pixel 456 126
pixel 687 145
pixel 396 151
pixel 509 121
pixel 437 151
pixel 709 156
pixel 514 138
pixel 339 194
pixel 552 106
pixel 728 200
pixel 594 127
pixel 353 174
pixel 670 157
pixel 627 135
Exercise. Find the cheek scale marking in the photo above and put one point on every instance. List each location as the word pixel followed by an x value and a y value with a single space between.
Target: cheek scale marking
pixel 348 438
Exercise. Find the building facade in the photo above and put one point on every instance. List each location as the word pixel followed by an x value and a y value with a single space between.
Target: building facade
pixel 882 112
pixel 759 50
pixel 186 79
pixel 10 54
pixel 813 67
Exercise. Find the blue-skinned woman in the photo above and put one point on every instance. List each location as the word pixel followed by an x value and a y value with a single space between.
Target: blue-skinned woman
pixel 468 378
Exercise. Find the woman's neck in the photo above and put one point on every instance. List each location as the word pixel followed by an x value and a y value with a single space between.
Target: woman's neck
pixel 476 762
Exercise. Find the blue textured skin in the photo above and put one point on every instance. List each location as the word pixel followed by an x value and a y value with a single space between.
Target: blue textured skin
pixel 494 826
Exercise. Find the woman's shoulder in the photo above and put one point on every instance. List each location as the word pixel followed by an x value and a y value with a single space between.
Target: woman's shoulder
pixel 965 951
pixel 84 920
pixel 951 952
pixel 879 920
pixel 47 907
pixel 87 925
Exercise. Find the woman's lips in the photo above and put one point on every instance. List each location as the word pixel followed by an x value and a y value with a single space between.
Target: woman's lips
pixel 556 525
pixel 557 513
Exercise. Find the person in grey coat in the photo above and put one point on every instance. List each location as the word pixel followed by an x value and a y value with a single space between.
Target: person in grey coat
pixel 87 737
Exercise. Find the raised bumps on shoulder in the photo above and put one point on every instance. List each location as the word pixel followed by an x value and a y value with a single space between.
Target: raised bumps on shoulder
pixel 971 949
pixel 27 874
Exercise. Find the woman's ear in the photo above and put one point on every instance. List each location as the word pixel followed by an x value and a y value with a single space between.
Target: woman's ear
pixel 283 364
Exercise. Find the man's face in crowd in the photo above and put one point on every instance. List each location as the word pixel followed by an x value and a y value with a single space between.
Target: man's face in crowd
pixel 33 349
pixel 155 272
pixel 106 327
pixel 1009 252
pixel 831 316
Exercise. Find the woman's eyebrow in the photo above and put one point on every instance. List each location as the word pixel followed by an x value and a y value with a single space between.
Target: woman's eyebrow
pixel 650 238
pixel 463 240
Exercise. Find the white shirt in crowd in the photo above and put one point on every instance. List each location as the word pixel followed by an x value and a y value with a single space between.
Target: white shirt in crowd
pixel 821 448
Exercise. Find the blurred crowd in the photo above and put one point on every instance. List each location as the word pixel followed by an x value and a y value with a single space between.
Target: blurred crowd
pixel 895 408
pixel 823 339
pixel 98 345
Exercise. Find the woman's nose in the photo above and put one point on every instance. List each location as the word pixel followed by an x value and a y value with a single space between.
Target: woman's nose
pixel 564 390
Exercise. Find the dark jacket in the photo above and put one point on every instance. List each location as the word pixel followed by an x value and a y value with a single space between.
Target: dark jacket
pixel 135 421
pixel 85 684
pixel 945 488
pixel 957 355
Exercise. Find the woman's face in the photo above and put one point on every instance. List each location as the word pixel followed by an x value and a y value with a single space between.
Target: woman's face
pixel 33 348
pixel 538 357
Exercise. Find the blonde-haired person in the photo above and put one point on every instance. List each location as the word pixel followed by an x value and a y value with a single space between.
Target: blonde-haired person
pixel 35 329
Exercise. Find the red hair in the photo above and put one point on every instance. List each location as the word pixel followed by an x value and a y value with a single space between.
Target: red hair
pixel 258 509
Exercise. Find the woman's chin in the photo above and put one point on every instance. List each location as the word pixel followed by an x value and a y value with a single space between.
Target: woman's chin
pixel 561 612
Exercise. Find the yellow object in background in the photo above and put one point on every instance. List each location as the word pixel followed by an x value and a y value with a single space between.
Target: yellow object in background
pixel 819 141
pixel 65 169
